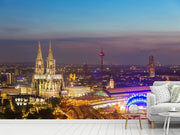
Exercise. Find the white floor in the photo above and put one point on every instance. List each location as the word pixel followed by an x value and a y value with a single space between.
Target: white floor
pixel 82 127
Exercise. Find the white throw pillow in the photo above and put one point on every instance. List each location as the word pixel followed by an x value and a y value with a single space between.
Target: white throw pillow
pixel 162 93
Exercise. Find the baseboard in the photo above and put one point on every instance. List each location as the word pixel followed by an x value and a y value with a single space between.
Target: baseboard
pixel 76 121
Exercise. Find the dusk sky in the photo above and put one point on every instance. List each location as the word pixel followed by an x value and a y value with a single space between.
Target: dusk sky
pixel 128 30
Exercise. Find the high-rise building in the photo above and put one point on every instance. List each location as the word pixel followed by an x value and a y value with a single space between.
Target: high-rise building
pixel 151 60
pixel 46 84
pixel 10 78
pixel 85 68
pixel 151 66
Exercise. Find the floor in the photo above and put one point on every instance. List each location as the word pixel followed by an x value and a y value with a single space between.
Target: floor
pixel 84 127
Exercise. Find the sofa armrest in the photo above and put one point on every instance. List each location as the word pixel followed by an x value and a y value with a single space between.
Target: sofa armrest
pixel 151 99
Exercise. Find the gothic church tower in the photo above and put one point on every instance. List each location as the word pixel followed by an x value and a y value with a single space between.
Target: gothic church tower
pixel 50 62
pixel 46 84
pixel 39 65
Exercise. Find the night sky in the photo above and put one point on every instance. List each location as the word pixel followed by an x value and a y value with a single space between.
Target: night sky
pixel 128 30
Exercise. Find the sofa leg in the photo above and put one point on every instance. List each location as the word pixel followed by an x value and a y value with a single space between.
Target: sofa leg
pixel 152 124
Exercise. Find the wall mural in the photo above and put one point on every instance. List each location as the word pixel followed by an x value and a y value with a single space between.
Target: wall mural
pixel 100 64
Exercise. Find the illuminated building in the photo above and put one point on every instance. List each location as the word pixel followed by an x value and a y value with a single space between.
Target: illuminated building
pixel 111 83
pixel 10 78
pixel 126 91
pixel 78 91
pixel 26 90
pixel 23 100
pixel 167 78
pixel 7 91
pixel 22 81
pixel 72 77
pixel 151 66
pixel 152 72
pixel 46 84
pixel 101 54
pixel 132 68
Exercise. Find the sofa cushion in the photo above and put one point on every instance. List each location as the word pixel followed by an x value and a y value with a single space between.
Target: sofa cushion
pixel 162 93
pixel 171 88
pixel 175 97
pixel 163 107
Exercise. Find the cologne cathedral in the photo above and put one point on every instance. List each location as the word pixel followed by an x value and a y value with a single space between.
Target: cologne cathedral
pixel 45 82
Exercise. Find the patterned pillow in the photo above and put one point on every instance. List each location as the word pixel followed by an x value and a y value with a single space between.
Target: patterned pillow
pixel 175 96
pixel 171 88
pixel 162 93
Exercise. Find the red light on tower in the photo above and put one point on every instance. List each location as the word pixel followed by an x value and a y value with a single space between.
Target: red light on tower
pixel 101 54
pixel 151 69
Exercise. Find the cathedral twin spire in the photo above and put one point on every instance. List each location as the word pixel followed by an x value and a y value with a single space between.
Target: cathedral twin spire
pixel 50 55
pixel 50 61
pixel 39 65
pixel 39 55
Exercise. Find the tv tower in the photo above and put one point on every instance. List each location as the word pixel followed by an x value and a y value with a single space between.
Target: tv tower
pixel 101 54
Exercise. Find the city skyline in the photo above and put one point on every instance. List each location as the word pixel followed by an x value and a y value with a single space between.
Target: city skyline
pixel 128 31
pixel 79 59
pixel 25 51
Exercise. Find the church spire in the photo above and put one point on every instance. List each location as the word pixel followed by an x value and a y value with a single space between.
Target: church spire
pixel 50 62
pixel 39 65
pixel 39 54
pixel 50 55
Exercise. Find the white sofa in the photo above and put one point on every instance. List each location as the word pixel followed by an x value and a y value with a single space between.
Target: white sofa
pixel 153 108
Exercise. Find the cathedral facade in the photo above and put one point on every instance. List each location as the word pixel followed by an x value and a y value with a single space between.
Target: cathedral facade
pixel 45 82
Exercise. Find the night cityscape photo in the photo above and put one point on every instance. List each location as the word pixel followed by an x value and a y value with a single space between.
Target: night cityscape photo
pixel 78 59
